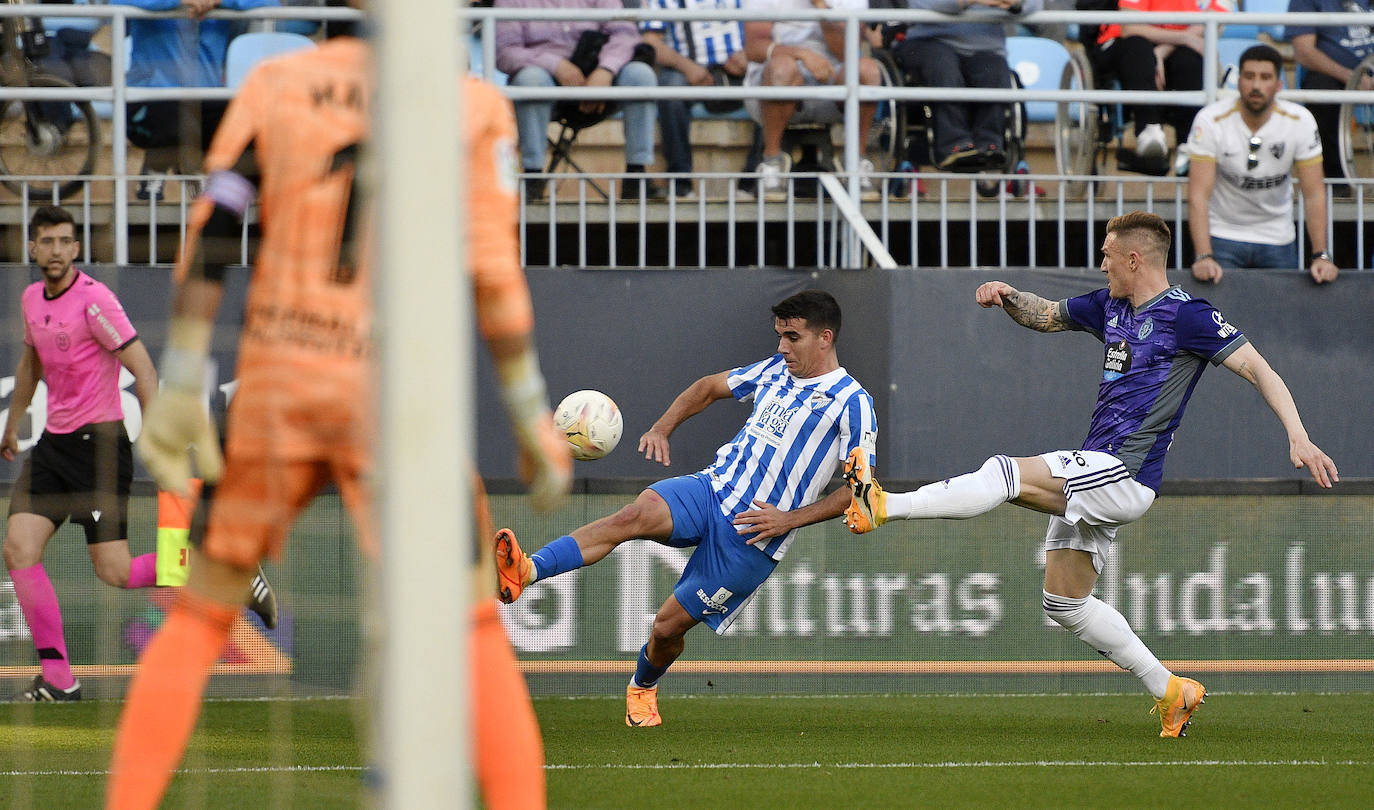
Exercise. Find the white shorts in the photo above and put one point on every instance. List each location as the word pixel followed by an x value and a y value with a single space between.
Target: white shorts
pixel 811 111
pixel 1102 496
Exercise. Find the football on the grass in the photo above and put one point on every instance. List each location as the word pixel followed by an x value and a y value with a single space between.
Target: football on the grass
pixel 591 422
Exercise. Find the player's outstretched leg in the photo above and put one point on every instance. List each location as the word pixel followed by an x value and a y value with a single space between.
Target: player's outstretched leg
pixel 262 600
pixel 513 569
pixel 867 501
pixel 1176 708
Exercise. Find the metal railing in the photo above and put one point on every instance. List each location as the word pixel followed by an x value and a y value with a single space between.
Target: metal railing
pixel 854 212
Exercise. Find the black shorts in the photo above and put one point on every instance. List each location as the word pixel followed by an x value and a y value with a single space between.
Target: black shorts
pixel 83 476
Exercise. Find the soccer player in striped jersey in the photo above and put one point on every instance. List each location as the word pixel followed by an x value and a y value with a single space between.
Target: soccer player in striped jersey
pixel 1159 340
pixel 742 512
pixel 302 416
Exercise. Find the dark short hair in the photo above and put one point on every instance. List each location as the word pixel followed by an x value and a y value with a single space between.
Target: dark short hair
pixel 48 216
pixel 1144 225
pixel 818 308
pixel 1262 53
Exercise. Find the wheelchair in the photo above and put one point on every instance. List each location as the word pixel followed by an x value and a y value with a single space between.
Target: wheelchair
pixel 1356 128
pixel 908 131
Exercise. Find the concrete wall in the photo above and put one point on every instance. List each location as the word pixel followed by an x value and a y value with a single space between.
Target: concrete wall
pixel 953 383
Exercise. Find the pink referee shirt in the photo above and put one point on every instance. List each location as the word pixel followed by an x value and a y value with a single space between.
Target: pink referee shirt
pixel 76 336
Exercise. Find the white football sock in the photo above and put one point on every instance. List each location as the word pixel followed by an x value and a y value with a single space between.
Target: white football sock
pixel 964 496
pixel 1103 628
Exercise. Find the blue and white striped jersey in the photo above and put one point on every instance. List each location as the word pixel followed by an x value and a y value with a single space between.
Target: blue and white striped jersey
pixel 798 433
pixel 706 42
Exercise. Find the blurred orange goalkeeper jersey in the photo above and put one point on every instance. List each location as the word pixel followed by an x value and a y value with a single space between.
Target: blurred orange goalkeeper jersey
pixel 306 351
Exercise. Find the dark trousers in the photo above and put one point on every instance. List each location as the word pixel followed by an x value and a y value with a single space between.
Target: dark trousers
pixel 1328 118
pixel 1132 61
pixel 674 123
pixel 932 63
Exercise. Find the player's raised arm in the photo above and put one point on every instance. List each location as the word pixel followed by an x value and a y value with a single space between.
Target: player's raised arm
pixel 1027 309
pixel 654 443
pixel 1249 364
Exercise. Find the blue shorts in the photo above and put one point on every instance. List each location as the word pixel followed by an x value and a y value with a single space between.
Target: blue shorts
pixel 724 571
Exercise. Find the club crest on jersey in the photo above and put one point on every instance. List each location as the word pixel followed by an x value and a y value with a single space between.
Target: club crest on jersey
pixel 1118 360
pixel 1145 329
pixel 819 399
pixel 1276 149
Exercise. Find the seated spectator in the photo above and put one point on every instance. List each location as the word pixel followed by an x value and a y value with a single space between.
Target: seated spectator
pixel 691 53
pixel 71 57
pixel 1240 198
pixel 178 52
pixel 967 137
pixel 796 53
pixel 537 53
pixel 1156 57
pixel 1330 55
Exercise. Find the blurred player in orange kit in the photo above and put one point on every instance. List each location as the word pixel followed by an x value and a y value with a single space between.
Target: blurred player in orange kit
pixel 303 415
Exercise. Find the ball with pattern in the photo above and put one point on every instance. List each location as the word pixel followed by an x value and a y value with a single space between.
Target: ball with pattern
pixel 591 422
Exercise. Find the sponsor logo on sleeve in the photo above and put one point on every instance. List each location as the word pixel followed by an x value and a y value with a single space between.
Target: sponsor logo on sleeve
pixel 1224 329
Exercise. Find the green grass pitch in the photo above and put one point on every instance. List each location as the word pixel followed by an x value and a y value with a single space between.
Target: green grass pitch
pixel 1243 750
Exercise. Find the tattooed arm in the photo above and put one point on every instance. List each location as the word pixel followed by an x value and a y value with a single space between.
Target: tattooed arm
pixel 1027 309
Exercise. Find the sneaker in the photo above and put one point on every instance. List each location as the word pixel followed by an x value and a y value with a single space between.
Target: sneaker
pixel 262 601
pixel 641 706
pixel 40 691
pixel 1182 158
pixel 994 157
pixel 772 171
pixel 868 187
pixel 633 188
pixel 867 501
pixel 962 158
pixel 151 188
pixel 1176 708
pixel 684 190
pixel 1150 143
pixel 535 188
pixel 513 569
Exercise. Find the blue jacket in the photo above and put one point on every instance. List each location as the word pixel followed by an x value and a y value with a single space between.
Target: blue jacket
pixel 182 52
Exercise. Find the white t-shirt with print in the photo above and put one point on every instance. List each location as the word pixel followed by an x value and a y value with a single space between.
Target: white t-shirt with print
pixel 1254 204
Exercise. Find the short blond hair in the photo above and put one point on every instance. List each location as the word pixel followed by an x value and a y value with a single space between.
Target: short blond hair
pixel 1151 231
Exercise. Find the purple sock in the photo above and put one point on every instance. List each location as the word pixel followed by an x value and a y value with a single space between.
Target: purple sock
pixel 38 602
pixel 142 571
pixel 558 557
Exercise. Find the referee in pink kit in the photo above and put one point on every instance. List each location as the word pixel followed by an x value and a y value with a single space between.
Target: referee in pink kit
pixel 76 336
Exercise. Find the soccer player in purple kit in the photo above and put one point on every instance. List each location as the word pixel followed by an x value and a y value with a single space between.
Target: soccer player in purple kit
pixel 1158 341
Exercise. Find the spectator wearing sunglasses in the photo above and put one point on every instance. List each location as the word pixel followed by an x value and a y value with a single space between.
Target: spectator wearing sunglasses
pixel 1243 153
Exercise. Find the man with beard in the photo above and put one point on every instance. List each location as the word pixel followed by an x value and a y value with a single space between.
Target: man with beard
pixel 1240 197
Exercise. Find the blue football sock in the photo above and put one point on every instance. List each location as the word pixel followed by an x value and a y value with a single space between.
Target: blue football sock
pixel 646 674
pixel 558 557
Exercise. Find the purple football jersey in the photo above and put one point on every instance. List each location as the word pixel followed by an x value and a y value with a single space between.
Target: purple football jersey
pixel 1154 357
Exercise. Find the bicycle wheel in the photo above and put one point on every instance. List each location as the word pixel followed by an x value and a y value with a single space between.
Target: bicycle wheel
pixel 1075 128
pixel 47 139
pixel 1356 128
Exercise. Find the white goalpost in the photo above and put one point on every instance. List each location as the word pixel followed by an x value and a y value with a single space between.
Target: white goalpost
pixel 424 328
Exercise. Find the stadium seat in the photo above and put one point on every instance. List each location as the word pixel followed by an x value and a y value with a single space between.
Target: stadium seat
pixel 246 50
pixel 1228 59
pixel 1245 31
pixel 1039 63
